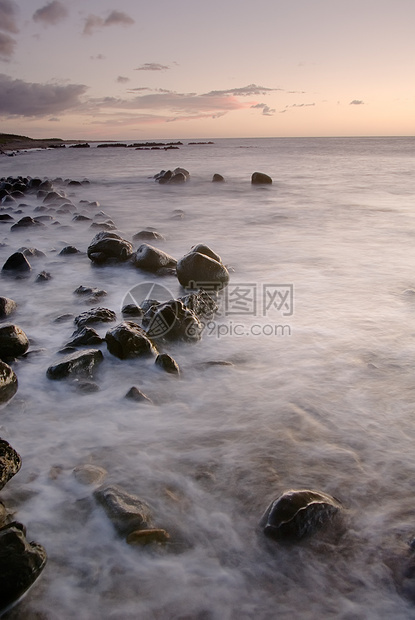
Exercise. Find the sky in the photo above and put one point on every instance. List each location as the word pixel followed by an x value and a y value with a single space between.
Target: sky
pixel 135 70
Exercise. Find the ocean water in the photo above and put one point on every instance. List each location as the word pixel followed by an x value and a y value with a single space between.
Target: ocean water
pixel 318 327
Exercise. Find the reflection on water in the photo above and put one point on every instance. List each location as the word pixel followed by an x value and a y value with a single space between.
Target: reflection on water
pixel 326 405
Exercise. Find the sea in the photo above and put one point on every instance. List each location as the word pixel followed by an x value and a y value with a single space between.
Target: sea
pixel 304 379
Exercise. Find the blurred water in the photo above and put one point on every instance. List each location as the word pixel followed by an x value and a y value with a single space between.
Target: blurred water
pixel 319 394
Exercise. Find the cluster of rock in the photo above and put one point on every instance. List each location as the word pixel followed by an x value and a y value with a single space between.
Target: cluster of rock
pixel 181 175
pixel 21 561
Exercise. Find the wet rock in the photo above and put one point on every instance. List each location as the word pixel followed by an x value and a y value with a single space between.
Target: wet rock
pixel 6 218
pixel 259 178
pixel 43 276
pixel 137 395
pixel 27 222
pixel 128 340
pixel 198 269
pixel 32 252
pixel 148 537
pixel 7 307
pixel 126 511
pixel 132 310
pixel 69 249
pixel 178 177
pixel 201 303
pixel 217 178
pixel 172 321
pixel 10 462
pixel 92 293
pixel 108 246
pixel 95 315
pixel 54 198
pixel 89 474
pixel 79 363
pixel 167 363
pixel 152 259
pixel 13 342
pixel 17 263
pixel 297 514
pixel 86 336
pixel 21 563
pixel 148 235
pixel 81 218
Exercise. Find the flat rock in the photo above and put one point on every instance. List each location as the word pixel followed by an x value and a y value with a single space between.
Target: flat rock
pixel 79 363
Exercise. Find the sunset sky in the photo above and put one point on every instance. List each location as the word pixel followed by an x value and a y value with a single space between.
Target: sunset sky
pixel 135 70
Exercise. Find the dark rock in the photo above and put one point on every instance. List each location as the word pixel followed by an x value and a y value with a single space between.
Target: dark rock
pixel 148 537
pixel 207 251
pixel 217 178
pixel 198 270
pixel 148 235
pixel 167 363
pixel 94 293
pixel 95 315
pixel 13 342
pixel 10 462
pixel 178 177
pixel 137 395
pixel 126 511
pixel 132 310
pixel 5 217
pixel 81 218
pixel 109 246
pixel 152 259
pixel 86 336
pixel 26 222
pixel 259 178
pixel 297 514
pixel 128 340
pixel 43 276
pixel 18 263
pixel 32 252
pixel 7 307
pixel 79 363
pixel 54 198
pixel 172 321
pixel 164 176
pixel 63 318
pixel 69 249
pixel 21 563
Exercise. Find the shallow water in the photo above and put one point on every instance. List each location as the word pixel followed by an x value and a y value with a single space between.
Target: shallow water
pixel 319 394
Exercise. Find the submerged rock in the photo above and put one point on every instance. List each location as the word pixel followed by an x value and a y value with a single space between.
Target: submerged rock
pixel 148 537
pixel 10 462
pixel 13 342
pixel 152 259
pixel 81 363
pixel 217 178
pixel 21 563
pixel 27 222
pixel 148 235
pixel 89 474
pixel 137 395
pixel 8 383
pixel 128 340
pixel 199 269
pixel 126 511
pixel 297 514
pixel 259 178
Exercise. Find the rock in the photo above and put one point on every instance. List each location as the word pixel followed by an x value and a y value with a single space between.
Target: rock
pixel 132 310
pixel 80 363
pixel 94 293
pixel 201 303
pixel 21 563
pixel 89 474
pixel 172 321
pixel 126 511
pixel 18 263
pixel 199 270
pixel 8 383
pixel 43 276
pixel 217 178
pixel 10 462
pixel 207 251
pixel 109 246
pixel 137 395
pixel 7 307
pixel 13 342
pixel 148 235
pixel 69 249
pixel 147 537
pixel 54 198
pixel 95 315
pixel 86 336
pixel 128 340
pixel 178 177
pixel 81 218
pixel 259 178
pixel 6 218
pixel 152 259
pixel 32 252
pixel 167 363
pixel 26 222
pixel 297 514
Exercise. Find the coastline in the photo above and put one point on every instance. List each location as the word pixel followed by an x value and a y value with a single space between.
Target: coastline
pixel 22 143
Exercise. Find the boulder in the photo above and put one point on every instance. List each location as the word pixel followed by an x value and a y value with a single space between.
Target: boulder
pixel 217 178
pixel 21 563
pixel 172 321
pixel 109 246
pixel 69 249
pixel 132 310
pixel 7 307
pixel 297 514
pixel 198 269
pixel 17 263
pixel 27 222
pixel 148 235
pixel 95 315
pixel 81 363
pixel 126 511
pixel 86 336
pixel 167 363
pixel 8 383
pixel 137 395
pixel 152 259
pixel 10 462
pixel 128 340
pixel 13 342
pixel 201 303
pixel 259 178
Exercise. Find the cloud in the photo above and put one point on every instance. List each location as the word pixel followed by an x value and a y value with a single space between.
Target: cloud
pixel 152 66
pixel 115 18
pixel 297 105
pixel 357 102
pixel 266 110
pixel 122 80
pixel 8 16
pixel 20 98
pixel 7 45
pixel 51 13
pixel 98 57
pixel 245 91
